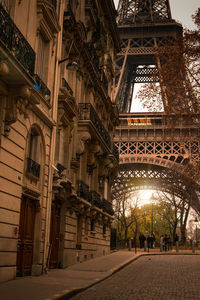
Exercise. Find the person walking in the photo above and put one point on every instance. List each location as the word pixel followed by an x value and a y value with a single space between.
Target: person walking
pixel 165 242
pixel 142 239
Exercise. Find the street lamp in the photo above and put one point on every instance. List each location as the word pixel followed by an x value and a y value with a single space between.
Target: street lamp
pixel 196 222
pixel 72 65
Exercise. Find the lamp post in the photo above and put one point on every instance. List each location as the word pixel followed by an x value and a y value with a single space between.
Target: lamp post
pixel 196 222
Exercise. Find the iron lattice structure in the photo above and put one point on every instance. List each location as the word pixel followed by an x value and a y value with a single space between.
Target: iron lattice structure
pixel 133 177
pixel 156 151
pixel 142 26
pixel 148 11
pixel 156 155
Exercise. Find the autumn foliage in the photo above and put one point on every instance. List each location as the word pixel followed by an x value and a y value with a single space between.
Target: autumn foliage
pixel 178 67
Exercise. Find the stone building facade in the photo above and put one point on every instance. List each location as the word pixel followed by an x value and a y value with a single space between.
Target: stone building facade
pixel 57 119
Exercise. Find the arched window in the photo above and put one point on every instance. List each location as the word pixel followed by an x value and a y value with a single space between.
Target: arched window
pixel 34 153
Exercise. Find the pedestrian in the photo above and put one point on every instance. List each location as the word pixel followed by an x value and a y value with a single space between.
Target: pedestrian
pixel 169 243
pixel 149 242
pixel 165 242
pixel 161 243
pixel 153 241
pixel 142 239
pixel 176 239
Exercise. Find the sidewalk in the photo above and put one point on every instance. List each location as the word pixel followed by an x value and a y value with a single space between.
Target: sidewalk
pixel 63 283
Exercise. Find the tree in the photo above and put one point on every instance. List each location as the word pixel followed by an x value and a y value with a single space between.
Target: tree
pixel 169 212
pixel 125 213
pixel 178 68
pixel 175 211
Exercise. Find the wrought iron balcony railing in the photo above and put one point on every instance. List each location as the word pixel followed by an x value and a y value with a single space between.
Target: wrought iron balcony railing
pixel 96 62
pixel 95 58
pixel 96 199
pixel 33 167
pixel 83 191
pixel 42 88
pixel 107 207
pixel 87 112
pixel 15 42
pixel 66 85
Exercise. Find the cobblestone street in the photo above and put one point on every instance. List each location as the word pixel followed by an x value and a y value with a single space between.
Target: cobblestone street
pixel 153 277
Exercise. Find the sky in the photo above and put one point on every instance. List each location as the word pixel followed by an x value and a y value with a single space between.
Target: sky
pixel 181 11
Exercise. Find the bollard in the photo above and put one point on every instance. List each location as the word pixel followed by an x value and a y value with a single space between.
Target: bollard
pixel 193 247
pixel 129 245
pixel 177 246
pixel 145 246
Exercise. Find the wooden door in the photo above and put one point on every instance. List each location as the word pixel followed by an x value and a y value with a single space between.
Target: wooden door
pixel 54 235
pixel 26 237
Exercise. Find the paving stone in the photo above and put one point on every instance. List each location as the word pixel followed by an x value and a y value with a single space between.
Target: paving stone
pixel 161 277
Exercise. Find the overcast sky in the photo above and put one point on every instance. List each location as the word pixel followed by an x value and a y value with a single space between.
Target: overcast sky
pixel 182 10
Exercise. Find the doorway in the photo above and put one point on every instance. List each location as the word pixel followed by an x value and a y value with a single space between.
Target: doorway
pixel 55 234
pixel 26 237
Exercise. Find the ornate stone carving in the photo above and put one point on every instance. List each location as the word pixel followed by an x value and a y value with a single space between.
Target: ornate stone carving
pixel 75 163
pixel 47 18
pixel 17 101
pixel 32 193
pixel 82 138
pixel 67 107
pixel 4 69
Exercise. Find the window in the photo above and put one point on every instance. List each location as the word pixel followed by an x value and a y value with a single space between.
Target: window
pixel 92 225
pixel 79 232
pixel 33 166
pixel 33 145
pixel 42 58
pixel 104 229
pixel 86 226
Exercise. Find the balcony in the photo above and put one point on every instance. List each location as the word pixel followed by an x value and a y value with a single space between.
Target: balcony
pixel 96 62
pixel 16 44
pixel 42 88
pixel 66 85
pixel 87 112
pixel 107 207
pixel 33 168
pixel 83 191
pixel 96 199
pixel 95 58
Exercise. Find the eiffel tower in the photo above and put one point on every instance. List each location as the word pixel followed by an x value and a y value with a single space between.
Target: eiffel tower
pixel 152 146
pixel 143 25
